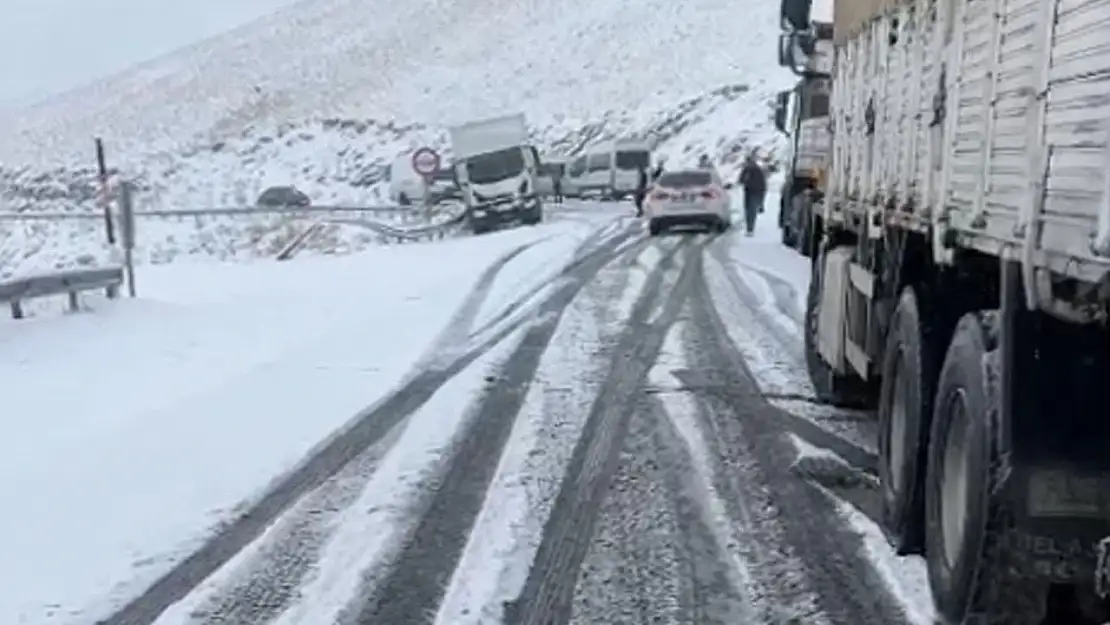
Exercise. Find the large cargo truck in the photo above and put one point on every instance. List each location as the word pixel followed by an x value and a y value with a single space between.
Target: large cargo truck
pixel 496 169
pixel 802 114
pixel 961 286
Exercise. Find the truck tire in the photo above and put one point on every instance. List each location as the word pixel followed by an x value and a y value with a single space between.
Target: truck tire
pixel 909 374
pixel 846 391
pixel 966 513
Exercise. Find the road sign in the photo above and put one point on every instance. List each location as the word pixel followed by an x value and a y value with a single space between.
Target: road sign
pixel 425 161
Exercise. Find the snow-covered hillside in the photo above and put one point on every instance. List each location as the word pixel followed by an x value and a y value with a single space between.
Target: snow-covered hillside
pixel 325 93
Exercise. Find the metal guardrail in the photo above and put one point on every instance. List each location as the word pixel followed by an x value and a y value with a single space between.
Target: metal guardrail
pixel 70 283
pixel 438 223
pixel 428 232
pixel 392 211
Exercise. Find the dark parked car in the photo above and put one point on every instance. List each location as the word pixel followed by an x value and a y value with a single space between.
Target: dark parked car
pixel 283 196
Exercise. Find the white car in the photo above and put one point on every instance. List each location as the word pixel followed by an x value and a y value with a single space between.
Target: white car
pixel 688 197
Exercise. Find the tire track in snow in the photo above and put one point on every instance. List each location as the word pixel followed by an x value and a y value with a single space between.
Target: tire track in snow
pixel 415 587
pixel 711 594
pixel 618 228
pixel 548 594
pixel 270 580
pixel 795 524
pixel 461 324
pixel 636 564
pixel 294 559
pixel 654 558
pixel 777 364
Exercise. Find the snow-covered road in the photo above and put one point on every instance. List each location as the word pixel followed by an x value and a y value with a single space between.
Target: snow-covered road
pixel 600 426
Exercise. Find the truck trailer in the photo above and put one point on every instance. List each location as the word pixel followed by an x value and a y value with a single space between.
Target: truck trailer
pixel 496 169
pixel 961 288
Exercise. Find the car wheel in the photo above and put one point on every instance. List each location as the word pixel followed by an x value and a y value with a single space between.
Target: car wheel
pixel 654 228
pixel 404 200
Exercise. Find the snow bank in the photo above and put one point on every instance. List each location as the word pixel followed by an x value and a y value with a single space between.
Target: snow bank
pixel 134 429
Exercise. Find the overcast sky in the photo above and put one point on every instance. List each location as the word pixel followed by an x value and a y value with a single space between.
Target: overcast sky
pixel 50 46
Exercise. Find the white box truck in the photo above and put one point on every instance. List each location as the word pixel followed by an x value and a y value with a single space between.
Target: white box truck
pixel 961 286
pixel 497 169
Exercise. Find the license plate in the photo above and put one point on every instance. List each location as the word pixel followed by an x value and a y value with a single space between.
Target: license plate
pixel 686 207
pixel 1061 493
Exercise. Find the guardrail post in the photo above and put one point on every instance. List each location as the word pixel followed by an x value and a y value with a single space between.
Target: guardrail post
pixel 74 305
pixel 105 198
pixel 127 227
pixel 17 309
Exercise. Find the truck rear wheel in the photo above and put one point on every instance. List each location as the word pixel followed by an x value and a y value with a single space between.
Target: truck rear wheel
pixel 966 514
pixel 833 388
pixel 909 373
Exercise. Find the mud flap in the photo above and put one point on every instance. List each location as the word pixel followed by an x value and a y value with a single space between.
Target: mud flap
pixel 834 302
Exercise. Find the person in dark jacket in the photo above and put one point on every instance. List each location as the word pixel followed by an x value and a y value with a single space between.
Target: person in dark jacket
pixel 658 171
pixel 641 190
pixel 557 184
pixel 754 182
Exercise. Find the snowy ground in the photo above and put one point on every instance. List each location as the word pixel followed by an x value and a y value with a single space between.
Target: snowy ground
pixel 218 379
pixel 563 388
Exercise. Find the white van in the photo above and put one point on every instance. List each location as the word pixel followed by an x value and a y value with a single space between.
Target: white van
pixel 407 187
pixel 609 170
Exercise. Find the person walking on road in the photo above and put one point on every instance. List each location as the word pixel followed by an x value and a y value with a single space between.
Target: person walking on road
pixel 557 185
pixel 641 190
pixel 658 171
pixel 754 182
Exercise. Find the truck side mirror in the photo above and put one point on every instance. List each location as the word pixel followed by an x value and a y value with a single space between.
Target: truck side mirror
pixel 794 14
pixel 786 50
pixel 782 100
pixel 806 42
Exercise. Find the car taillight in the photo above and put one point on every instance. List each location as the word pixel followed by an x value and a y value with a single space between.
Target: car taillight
pixel 660 196
pixel 710 194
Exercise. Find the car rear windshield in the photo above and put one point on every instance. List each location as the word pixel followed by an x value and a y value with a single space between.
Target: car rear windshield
pixel 685 179
pixel 633 160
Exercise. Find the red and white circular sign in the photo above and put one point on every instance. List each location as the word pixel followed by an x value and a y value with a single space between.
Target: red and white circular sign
pixel 425 161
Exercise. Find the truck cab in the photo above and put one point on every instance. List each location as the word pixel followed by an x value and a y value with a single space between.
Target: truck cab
pixel 802 114
pixel 497 170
